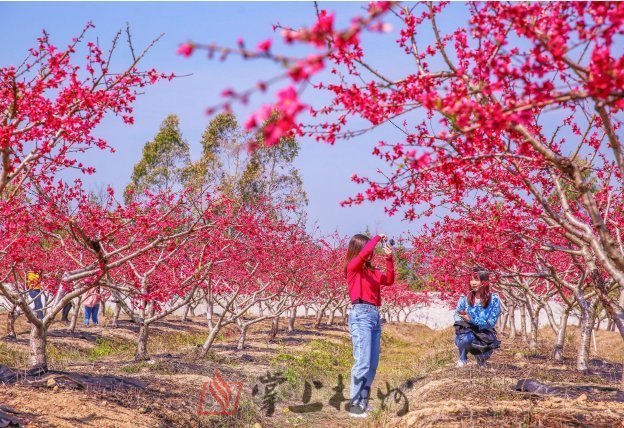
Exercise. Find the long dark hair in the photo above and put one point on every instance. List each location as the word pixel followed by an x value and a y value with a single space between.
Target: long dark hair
pixel 486 295
pixel 355 246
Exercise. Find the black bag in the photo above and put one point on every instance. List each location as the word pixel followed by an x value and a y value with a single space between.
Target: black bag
pixel 485 339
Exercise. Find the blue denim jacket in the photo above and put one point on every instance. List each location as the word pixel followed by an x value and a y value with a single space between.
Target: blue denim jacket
pixel 483 317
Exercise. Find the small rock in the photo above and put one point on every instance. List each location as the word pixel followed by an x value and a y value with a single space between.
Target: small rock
pixel 162 390
pixel 143 410
pixel 151 362
pixel 581 398
pixel 518 356
pixel 257 425
pixel 56 388
pixel 51 383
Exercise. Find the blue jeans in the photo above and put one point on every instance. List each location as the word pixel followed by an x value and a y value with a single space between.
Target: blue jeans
pixel 91 313
pixel 36 296
pixel 464 342
pixel 365 328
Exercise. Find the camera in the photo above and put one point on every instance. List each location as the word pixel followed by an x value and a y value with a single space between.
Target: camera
pixel 386 241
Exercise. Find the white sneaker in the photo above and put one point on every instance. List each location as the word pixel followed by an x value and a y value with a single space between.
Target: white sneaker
pixel 359 413
pixel 460 364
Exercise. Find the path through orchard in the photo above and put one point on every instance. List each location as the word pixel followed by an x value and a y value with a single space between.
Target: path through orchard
pixel 414 358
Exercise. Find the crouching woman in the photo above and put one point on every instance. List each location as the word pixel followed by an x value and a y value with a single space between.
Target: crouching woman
pixel 475 318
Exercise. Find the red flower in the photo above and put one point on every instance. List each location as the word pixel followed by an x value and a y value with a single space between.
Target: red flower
pixel 265 46
pixel 186 49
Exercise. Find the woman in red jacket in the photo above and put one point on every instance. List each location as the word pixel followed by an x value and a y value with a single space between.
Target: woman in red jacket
pixel 364 320
pixel 92 305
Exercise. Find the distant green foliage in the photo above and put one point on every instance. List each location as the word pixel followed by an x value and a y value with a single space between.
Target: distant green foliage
pixel 163 162
pixel 244 175
pixel 406 270
pixel 220 160
pixel 226 165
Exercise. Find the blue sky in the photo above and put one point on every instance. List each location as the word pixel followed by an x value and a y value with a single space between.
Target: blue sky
pixel 326 170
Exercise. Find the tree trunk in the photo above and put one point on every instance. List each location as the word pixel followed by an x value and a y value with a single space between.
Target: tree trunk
pixel 558 350
pixel 75 315
pixel 320 314
pixel 209 340
pixel 116 314
pixel 523 325
pixel 502 322
pixel 534 318
pixel 291 320
pixel 587 322
pixel 597 322
pixel 11 324
pixel 186 312
pixel 142 354
pixel 306 309
pixel 512 322
pixel 37 357
pixel 274 328
pixel 332 316
pixel 209 312
pixel 240 345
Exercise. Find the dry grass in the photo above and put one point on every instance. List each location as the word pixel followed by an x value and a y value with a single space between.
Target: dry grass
pixel 13 356
pixel 609 344
pixel 418 359
pixel 410 351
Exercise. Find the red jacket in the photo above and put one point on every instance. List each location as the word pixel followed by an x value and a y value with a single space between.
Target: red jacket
pixel 92 298
pixel 365 283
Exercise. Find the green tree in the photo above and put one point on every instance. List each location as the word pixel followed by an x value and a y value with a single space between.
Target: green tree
pixel 265 172
pixel 164 161
pixel 405 269
pixel 270 173
pixel 220 160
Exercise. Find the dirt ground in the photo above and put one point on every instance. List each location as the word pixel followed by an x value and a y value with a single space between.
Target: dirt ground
pixel 301 379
